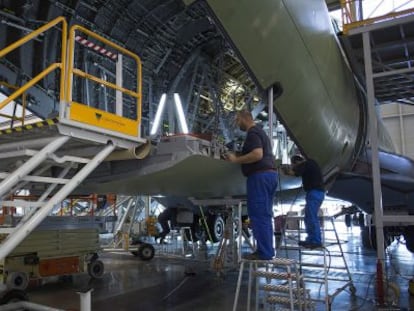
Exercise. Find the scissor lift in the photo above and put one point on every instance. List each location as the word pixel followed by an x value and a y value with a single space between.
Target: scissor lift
pixel 52 157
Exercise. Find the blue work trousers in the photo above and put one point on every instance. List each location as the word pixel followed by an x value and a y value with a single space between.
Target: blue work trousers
pixel 261 188
pixel 314 199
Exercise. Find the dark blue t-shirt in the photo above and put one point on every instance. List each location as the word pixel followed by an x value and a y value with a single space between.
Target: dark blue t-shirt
pixel 257 138
pixel 311 175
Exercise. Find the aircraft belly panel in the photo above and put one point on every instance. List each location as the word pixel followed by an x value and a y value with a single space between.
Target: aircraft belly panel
pixel 194 176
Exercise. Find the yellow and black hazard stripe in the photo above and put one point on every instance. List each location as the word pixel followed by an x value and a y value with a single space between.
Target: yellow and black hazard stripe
pixel 28 127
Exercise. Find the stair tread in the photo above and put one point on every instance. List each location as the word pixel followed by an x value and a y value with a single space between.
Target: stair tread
pixel 276 275
pixel 282 288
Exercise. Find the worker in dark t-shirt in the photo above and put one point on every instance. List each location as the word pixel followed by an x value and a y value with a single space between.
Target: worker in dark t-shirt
pixel 258 165
pixel 312 182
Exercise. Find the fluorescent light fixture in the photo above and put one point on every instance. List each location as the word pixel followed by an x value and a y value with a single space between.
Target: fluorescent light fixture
pixel 158 114
pixel 180 112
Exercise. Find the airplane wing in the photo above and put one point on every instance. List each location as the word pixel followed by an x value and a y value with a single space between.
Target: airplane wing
pixel 195 175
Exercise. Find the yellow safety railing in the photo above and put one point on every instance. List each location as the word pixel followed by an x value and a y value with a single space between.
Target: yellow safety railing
pixel 350 20
pixel 24 103
pixel 22 90
pixel 81 112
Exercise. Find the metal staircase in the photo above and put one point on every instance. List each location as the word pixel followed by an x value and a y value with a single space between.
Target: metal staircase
pixel 45 204
pixel 51 158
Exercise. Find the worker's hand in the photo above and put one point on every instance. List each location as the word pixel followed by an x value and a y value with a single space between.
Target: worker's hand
pixel 231 157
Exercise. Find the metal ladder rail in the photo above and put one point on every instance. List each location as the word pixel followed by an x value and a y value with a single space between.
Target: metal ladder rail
pixel 325 283
pixel 24 229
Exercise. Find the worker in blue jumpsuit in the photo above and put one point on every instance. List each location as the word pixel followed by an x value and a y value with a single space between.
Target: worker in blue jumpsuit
pixel 258 165
pixel 312 182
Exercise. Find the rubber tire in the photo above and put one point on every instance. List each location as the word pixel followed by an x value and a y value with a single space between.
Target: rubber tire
pixel 146 251
pixel 348 220
pixel 216 227
pixel 96 269
pixel 13 295
pixel 368 240
pixel 17 280
pixel 409 238
pixel 361 220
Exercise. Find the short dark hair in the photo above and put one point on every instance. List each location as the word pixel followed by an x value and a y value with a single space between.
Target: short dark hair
pixel 297 158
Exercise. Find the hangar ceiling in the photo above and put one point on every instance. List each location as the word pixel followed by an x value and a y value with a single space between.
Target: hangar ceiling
pixel 181 50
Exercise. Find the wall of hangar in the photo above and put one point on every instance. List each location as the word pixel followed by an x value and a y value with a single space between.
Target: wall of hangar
pixel 399 120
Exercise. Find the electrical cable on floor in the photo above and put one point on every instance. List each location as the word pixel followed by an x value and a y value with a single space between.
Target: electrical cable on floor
pixel 176 288
pixel 365 298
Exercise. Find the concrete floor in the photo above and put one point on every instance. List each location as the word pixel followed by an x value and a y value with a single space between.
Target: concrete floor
pixel 165 284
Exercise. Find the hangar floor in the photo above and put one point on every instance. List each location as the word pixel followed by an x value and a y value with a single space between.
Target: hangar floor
pixel 163 284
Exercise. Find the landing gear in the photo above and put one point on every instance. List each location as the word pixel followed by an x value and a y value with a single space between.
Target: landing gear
pixel 369 237
pixel 348 220
pixel 216 227
pixel 409 238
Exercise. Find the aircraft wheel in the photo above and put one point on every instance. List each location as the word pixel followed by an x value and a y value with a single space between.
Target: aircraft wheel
pixel 17 280
pixel 216 227
pixel 348 220
pixel 409 238
pixel 368 237
pixel 96 269
pixel 361 220
pixel 13 295
pixel 146 251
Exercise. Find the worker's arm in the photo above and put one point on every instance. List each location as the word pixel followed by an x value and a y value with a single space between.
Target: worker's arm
pixel 251 157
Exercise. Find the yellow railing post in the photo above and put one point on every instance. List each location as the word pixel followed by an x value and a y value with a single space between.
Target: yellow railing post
pixel 28 85
pixel 71 70
pixel 124 51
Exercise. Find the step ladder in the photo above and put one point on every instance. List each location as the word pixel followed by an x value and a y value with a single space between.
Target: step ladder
pixel 325 265
pixel 35 173
pixel 278 285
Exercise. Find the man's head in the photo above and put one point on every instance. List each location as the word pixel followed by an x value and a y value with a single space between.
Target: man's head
pixel 244 120
pixel 297 159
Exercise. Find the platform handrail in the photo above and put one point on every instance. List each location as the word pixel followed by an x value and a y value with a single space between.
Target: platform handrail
pixel 350 21
pixel 76 71
pixel 29 84
pixel 46 71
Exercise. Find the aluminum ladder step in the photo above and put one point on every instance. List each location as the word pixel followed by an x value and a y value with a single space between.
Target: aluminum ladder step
pixel 282 289
pixel 276 275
